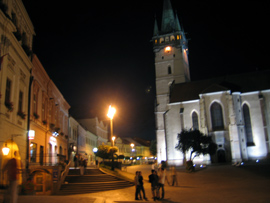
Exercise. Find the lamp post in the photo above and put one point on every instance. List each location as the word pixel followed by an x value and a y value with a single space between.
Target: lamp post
pixel 132 145
pixel 113 138
pixel 5 149
pixel 110 114
pixel 95 151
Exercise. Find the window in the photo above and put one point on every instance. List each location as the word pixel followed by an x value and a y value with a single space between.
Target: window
pixel 34 103
pixel 161 40
pixel 195 121
pixel 20 105
pixel 172 38
pixel 8 91
pixel 248 126
pixel 169 70
pixel 33 152
pixel 216 116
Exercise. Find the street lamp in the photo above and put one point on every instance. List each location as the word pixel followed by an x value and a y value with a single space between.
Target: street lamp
pixel 110 114
pixel 5 150
pixel 113 138
pixel 95 151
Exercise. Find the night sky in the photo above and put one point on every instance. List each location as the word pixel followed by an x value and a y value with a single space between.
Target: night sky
pixel 102 54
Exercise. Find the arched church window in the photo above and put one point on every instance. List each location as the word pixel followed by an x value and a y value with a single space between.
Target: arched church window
pixel 217 116
pixel 248 126
pixel 195 121
pixel 169 70
pixel 161 40
pixel 166 39
pixel 172 38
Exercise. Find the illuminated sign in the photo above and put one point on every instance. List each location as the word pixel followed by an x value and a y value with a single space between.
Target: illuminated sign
pixel 31 134
pixel 53 140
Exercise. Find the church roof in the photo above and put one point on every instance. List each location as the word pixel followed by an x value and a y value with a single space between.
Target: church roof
pixel 247 82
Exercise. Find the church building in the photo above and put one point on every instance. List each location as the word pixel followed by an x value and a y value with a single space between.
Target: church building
pixel 234 110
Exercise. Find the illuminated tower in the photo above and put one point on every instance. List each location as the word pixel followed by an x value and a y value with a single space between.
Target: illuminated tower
pixel 171 65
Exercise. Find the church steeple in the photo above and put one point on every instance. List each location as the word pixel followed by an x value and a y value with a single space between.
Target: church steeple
pixel 168 20
pixel 155 28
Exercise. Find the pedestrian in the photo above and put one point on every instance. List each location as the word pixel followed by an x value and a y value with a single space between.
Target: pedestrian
pixel 153 179
pixel 81 166
pixel 12 169
pixel 141 185
pixel 161 182
pixel 85 165
pixel 137 186
pixel 174 176
pixel 75 160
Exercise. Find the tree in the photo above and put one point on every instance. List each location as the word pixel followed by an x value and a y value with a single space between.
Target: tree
pixel 153 147
pixel 195 141
pixel 103 151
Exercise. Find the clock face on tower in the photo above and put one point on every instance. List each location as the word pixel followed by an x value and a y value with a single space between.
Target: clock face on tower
pixel 168 49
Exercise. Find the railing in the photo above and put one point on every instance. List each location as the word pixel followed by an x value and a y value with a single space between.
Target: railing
pixel 50 159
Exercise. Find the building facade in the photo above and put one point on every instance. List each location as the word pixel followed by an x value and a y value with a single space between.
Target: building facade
pixel 81 141
pixel 97 127
pixel 48 119
pixel 16 36
pixel 234 110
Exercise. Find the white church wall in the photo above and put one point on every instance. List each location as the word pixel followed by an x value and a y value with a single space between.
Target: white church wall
pixel 219 97
pixel 259 150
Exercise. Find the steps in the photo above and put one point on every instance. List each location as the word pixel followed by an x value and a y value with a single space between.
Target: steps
pixel 93 181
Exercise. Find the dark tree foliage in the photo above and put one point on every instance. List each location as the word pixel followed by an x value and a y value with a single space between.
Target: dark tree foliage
pixel 106 152
pixel 195 141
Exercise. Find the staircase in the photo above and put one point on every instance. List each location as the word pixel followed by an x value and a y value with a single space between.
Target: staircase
pixel 93 181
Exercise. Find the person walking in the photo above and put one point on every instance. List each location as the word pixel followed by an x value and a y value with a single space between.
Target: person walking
pixel 141 185
pixel 153 179
pixel 137 186
pixel 75 159
pixel 84 165
pixel 174 177
pixel 161 182
pixel 12 169
pixel 81 163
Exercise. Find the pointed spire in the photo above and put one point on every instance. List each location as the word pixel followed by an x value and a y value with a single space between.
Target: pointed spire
pixel 155 28
pixel 177 23
pixel 168 21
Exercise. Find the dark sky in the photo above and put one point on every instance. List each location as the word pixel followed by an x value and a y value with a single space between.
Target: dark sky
pixel 100 54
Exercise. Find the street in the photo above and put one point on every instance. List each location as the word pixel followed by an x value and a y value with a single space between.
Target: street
pixel 215 183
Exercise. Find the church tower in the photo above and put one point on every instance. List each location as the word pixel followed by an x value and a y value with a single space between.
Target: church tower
pixel 171 66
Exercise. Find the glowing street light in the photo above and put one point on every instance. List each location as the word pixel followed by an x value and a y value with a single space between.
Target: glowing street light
pixel 5 150
pixel 110 114
pixel 113 138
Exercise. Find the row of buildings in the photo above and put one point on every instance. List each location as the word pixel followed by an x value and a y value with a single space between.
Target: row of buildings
pixel 34 115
